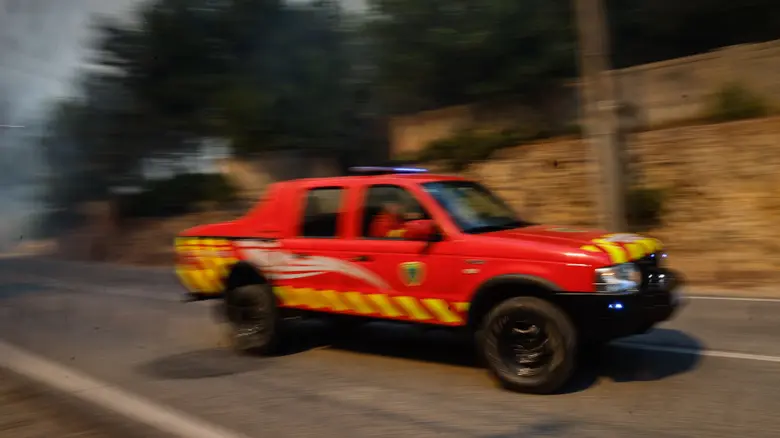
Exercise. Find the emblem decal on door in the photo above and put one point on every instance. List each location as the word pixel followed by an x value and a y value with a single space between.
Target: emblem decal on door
pixel 412 273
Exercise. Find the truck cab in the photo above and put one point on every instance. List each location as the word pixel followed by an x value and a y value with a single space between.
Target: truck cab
pixel 433 250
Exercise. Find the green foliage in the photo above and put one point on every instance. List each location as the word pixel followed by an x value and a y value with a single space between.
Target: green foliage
pixel 735 102
pixel 261 73
pixel 178 195
pixel 645 207
pixel 470 146
pixel 437 53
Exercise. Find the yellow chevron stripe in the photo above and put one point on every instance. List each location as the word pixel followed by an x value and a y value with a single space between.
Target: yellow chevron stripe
pixel 591 248
pixel 462 307
pixel 357 303
pixel 616 253
pixel 212 275
pixel 223 265
pixel 413 308
pixel 283 293
pixel 636 251
pixel 297 295
pixel 208 265
pixel 648 245
pixel 442 311
pixel 186 279
pixel 334 302
pixel 314 299
pixel 386 308
pixel 202 282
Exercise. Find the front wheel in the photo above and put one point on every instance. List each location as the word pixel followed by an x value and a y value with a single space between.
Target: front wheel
pixel 529 345
pixel 254 320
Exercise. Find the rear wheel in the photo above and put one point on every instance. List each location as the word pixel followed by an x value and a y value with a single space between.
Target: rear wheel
pixel 529 345
pixel 255 325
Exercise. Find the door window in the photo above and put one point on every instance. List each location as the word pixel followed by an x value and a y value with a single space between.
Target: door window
pixel 321 213
pixel 386 209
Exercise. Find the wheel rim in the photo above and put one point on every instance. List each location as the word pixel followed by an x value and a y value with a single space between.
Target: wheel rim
pixel 524 344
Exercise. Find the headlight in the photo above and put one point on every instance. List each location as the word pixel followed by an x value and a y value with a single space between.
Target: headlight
pixel 623 278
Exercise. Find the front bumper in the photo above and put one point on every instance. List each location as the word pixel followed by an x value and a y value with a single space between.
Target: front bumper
pixel 603 317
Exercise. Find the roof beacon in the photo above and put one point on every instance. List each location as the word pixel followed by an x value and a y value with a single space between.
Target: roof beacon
pixel 377 170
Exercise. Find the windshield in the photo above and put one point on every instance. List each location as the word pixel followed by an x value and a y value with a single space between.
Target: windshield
pixel 474 208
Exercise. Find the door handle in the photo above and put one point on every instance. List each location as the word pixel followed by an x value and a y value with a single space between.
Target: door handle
pixel 361 258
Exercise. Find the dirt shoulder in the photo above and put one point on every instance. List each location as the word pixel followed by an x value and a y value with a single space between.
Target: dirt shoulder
pixel 30 411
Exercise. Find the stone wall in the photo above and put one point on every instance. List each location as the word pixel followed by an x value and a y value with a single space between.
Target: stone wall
pixel 654 95
pixel 668 92
pixel 723 202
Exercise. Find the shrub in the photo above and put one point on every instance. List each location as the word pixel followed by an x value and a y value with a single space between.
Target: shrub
pixel 468 146
pixel 735 102
pixel 645 207
pixel 178 195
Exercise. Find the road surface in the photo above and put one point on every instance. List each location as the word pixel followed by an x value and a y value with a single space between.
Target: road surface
pixel 32 411
pixel 712 372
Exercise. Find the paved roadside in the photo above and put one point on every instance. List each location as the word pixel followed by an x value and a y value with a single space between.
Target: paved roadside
pixel 711 372
pixel 30 411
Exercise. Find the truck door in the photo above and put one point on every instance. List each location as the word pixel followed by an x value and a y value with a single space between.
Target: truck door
pixel 310 273
pixel 417 278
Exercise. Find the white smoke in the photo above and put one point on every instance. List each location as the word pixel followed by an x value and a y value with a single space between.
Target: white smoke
pixel 43 43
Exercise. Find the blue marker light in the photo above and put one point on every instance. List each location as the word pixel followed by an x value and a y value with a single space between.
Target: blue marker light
pixel 378 170
pixel 409 170
pixel 616 306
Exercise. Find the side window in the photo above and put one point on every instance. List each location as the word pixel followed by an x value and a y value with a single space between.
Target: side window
pixel 321 212
pixel 386 209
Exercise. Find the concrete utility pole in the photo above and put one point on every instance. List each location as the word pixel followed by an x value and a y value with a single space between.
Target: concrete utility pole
pixel 599 111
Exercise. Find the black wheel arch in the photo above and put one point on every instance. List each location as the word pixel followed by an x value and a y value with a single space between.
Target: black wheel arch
pixel 242 274
pixel 498 289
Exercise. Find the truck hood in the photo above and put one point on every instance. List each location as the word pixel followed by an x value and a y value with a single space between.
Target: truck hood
pixel 620 247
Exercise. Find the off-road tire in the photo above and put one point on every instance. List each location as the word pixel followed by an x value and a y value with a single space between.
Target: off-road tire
pixel 561 345
pixel 255 325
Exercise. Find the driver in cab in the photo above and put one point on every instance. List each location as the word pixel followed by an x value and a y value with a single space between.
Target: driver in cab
pixel 391 220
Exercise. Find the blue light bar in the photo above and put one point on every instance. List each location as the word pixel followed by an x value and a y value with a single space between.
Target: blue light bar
pixel 378 170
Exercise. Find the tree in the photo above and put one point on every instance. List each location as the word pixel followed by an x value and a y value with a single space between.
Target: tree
pixel 444 52
pixel 258 72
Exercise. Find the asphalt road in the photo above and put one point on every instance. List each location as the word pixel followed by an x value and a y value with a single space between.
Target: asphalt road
pixel 127 327
pixel 30 410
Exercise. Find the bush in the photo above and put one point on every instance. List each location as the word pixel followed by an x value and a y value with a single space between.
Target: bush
pixel 735 102
pixel 469 146
pixel 178 195
pixel 645 207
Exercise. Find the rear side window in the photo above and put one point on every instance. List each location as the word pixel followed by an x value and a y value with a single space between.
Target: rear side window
pixel 321 212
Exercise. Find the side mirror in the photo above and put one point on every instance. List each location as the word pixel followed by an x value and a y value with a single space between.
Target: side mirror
pixel 422 230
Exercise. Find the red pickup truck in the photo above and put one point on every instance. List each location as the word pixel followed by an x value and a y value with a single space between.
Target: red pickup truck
pixel 408 246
